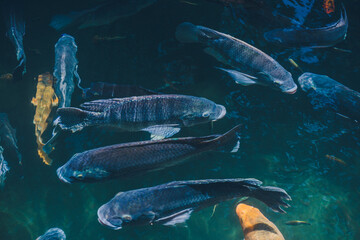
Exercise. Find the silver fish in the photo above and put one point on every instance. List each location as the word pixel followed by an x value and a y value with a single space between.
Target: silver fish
pixel 4 168
pixel 257 67
pixel 8 136
pixel 160 115
pixel 172 203
pixel 130 159
pixel 53 234
pixel 311 37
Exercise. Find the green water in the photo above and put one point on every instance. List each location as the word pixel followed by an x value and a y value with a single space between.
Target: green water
pixel 284 141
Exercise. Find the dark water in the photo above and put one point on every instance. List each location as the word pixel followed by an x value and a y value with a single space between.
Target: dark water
pixel 284 140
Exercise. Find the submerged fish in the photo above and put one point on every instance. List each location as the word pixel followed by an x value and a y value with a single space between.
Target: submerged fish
pixel 8 136
pixel 53 234
pixel 329 6
pixel 311 37
pixel 329 94
pixel 160 115
pixel 336 159
pixel 173 202
pixel 297 223
pixel 256 66
pixel 103 14
pixel 15 32
pixel 65 68
pixel 4 168
pixel 129 159
pixel 111 90
pixel 255 225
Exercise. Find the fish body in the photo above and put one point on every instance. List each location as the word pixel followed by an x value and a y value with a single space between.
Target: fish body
pixel 53 234
pixel 103 14
pixel 336 159
pixel 109 90
pixel 297 223
pixel 251 65
pixel 8 136
pixel 65 68
pixel 129 159
pixel 4 168
pixel 160 115
pixel 311 37
pixel 255 225
pixel 326 93
pixel 172 203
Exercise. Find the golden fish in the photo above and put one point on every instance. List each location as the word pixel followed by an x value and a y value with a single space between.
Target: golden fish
pixel 255 225
pixel 297 222
pixel 44 101
pixel 331 157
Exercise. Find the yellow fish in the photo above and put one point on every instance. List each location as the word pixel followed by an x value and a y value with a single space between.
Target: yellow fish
pixel 44 101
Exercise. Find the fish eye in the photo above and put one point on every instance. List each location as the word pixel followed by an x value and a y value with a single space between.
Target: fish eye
pixel 126 218
pixel 206 114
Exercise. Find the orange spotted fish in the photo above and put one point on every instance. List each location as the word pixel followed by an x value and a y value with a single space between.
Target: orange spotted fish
pixel 329 6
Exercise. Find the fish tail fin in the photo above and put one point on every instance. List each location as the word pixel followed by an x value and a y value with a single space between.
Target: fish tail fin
pixel 228 142
pixel 75 119
pixel 273 197
pixel 187 33
pixel 61 21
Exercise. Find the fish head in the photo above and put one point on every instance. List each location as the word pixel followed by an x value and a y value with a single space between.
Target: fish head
pixel 279 80
pixel 306 81
pixel 311 81
pixel 53 233
pixel 274 36
pixel 203 112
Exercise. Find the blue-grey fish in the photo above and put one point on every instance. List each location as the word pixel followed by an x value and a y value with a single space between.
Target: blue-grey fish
pixel 4 168
pixel 8 136
pixel 53 234
pixel 129 159
pixel 15 32
pixel 251 66
pixel 65 68
pixel 173 202
pixel 160 115
pixel 311 37
pixel 103 14
pixel 99 90
pixel 326 93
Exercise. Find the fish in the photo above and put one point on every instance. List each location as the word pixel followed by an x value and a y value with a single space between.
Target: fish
pixel 255 225
pixel 4 168
pixel 336 159
pixel 111 90
pixel 328 94
pixel 329 6
pixel 160 115
pixel 173 203
pixel 251 66
pixel 65 69
pixel 8 136
pixel 53 234
pixel 129 159
pixel 297 223
pixel 310 37
pixel 15 25
pixel 100 15
pixel 6 76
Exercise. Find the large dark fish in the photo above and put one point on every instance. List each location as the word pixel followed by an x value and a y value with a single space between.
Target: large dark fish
pixel 257 66
pixel 311 37
pixel 160 115
pixel 15 32
pixel 8 136
pixel 326 93
pixel 103 14
pixel 53 234
pixel 173 202
pixel 129 159
pixel 99 90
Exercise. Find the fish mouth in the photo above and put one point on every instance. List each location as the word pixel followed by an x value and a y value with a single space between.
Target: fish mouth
pixel 61 177
pixel 222 113
pixel 107 224
pixel 291 90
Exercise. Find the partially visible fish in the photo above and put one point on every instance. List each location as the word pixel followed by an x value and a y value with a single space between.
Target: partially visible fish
pixel 329 6
pixel 65 68
pixel 160 115
pixel 8 136
pixel 255 225
pixel 336 159
pixel 53 234
pixel 326 93
pixel 103 14
pixel 129 159
pixel 99 90
pixel 297 223
pixel 172 203
pixel 311 37
pixel 4 168
pixel 15 32
pixel 256 66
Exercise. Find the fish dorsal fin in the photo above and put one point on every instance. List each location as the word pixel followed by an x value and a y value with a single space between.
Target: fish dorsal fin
pixel 176 218
pixel 239 77
pixel 162 131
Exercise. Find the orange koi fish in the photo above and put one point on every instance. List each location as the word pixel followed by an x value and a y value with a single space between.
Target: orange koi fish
pixel 331 157
pixel 329 6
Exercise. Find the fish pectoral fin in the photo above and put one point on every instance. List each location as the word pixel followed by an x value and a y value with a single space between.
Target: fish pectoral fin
pixel 34 101
pixel 212 52
pixel 55 101
pixel 239 77
pixel 159 132
pixel 176 218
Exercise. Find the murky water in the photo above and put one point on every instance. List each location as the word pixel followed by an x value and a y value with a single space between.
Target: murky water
pixel 284 140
